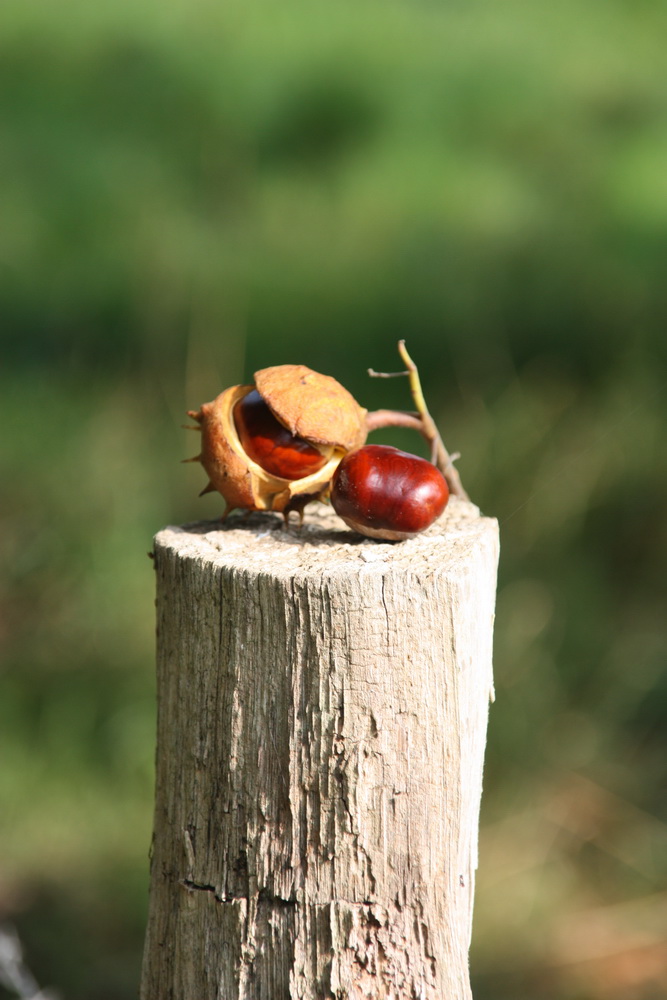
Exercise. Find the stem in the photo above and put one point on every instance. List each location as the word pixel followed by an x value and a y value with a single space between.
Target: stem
pixel 399 418
pixel 394 418
pixel 421 421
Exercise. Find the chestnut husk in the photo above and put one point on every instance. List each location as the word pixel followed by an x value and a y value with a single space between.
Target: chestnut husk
pixel 312 406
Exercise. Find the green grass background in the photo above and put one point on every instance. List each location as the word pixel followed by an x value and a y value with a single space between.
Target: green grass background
pixel 195 190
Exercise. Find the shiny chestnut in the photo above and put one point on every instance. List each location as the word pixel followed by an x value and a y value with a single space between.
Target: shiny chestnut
pixel 387 493
pixel 269 443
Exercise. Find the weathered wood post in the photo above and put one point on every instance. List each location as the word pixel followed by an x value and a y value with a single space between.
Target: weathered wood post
pixel 322 710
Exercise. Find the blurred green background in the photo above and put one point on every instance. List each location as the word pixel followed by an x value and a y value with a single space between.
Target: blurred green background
pixel 193 190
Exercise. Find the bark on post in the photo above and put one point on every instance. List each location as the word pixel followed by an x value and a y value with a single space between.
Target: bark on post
pixel 322 709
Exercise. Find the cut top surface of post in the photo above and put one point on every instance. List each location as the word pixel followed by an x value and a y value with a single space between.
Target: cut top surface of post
pixel 324 545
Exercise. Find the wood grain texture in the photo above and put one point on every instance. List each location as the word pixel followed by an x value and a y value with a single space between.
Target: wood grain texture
pixel 322 710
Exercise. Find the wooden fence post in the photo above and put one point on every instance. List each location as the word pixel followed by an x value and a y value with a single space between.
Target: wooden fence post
pixel 322 710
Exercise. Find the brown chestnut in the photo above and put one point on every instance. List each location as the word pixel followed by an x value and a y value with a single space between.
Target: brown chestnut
pixel 269 443
pixel 387 493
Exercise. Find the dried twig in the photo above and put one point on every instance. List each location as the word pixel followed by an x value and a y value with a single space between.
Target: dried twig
pixel 421 421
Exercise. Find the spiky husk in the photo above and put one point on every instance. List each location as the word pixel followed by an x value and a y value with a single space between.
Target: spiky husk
pixel 242 482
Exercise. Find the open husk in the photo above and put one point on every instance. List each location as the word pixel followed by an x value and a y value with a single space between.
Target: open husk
pixel 312 406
